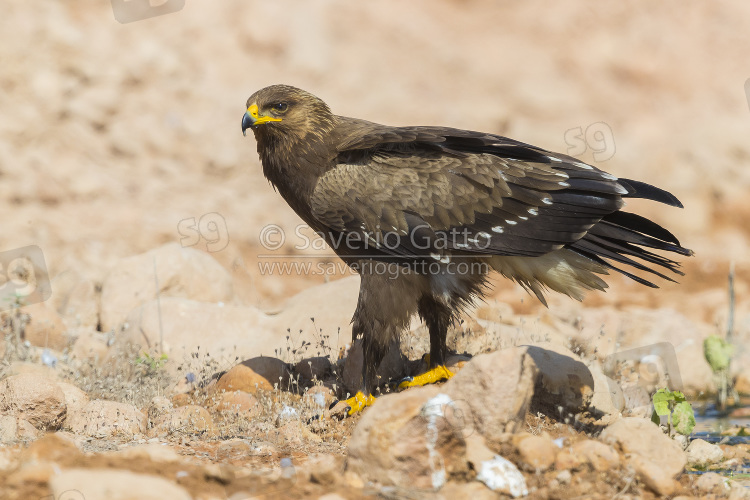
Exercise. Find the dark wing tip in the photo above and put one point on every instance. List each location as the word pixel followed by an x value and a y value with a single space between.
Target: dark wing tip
pixel 638 189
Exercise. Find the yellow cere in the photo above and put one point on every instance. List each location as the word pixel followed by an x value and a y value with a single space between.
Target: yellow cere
pixel 257 119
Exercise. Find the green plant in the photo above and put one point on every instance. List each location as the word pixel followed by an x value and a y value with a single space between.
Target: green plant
pixel 718 353
pixel 674 406
pixel 151 363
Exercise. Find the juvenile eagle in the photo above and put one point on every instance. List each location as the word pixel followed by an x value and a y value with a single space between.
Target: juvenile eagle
pixel 424 214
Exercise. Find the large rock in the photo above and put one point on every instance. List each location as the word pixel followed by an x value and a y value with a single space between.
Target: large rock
pixel 187 420
pixel 45 327
pixel 564 381
pixel 35 398
pixel 406 441
pixel 701 453
pixel 112 484
pixel 253 374
pixel 536 453
pixel 14 429
pixel 608 331
pixel 656 458
pixel 180 272
pixel 187 327
pixel 496 389
pixel 76 299
pixel 594 454
pixel 75 399
pixel 417 438
pixel 100 418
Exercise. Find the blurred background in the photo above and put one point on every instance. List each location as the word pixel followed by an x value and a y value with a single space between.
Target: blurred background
pixel 113 135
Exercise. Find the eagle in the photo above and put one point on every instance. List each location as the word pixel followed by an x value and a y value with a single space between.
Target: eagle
pixel 426 214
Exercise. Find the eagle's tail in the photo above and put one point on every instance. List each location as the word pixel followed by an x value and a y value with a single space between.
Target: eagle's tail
pixel 621 236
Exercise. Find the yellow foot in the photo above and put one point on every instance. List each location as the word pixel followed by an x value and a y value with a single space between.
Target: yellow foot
pixel 358 402
pixel 429 377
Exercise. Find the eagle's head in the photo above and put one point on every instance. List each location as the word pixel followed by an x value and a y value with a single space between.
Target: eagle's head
pixel 282 111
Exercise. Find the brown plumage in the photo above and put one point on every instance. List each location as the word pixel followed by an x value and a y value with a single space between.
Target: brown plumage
pixel 424 214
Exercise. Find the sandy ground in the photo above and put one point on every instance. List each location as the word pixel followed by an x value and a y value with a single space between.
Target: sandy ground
pixel 117 138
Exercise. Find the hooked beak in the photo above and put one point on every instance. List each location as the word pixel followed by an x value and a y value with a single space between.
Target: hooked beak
pixel 252 118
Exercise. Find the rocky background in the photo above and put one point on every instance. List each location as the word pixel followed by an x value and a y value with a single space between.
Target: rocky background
pixel 172 360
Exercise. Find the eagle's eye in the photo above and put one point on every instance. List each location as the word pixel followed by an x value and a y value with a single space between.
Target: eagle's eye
pixel 280 107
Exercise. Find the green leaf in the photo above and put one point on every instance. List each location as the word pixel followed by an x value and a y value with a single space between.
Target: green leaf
pixel 661 400
pixel 683 418
pixel 718 352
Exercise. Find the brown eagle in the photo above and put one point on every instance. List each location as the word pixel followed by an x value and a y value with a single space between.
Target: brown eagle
pixel 425 214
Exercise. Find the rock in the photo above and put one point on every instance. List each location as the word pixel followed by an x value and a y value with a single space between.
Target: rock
pixel 701 453
pixel 500 475
pixel 474 490
pixel 254 374
pixel 564 477
pixel 608 399
pixel 37 473
pixel 90 345
pixel 182 399
pixel 564 381
pixel 537 453
pixel 45 328
pixel 233 449
pixel 75 398
pixel 14 429
pixel 221 473
pixel 595 454
pixel 655 457
pixel 189 420
pixel 52 447
pixel 402 434
pixel 711 482
pixel 295 433
pixel 100 418
pixel 331 496
pixel 477 451
pixel 76 299
pixel 319 397
pixel 182 272
pixel 324 469
pixel 403 440
pixel 242 332
pixel 313 368
pixel 648 327
pixel 158 410
pixel 239 403
pixel 35 398
pixel 156 452
pixel 494 391
pixel 652 476
pixel 113 484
